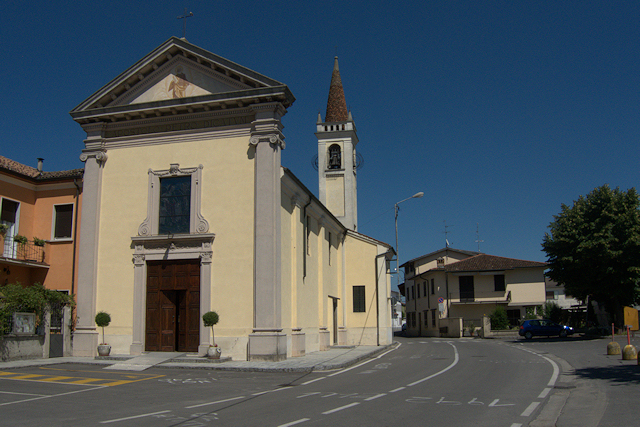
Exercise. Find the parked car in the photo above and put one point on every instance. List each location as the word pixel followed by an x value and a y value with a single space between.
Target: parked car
pixel 543 328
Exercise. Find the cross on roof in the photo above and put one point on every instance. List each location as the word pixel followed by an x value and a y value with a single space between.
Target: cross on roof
pixel 184 23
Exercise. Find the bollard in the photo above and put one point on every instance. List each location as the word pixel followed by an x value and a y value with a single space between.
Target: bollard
pixel 629 352
pixel 613 348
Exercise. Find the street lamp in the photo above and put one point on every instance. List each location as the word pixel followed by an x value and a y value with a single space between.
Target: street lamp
pixel 415 196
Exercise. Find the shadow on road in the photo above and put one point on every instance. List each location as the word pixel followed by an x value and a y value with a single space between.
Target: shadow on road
pixel 617 375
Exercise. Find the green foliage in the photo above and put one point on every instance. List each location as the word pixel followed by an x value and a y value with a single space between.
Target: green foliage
pixel 38 242
pixel 552 311
pixel 499 319
pixel 29 299
pixel 103 319
pixel 18 238
pixel 592 247
pixel 3 229
pixel 532 312
pixel 210 318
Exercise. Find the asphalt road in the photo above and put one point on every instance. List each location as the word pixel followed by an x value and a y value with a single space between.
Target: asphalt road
pixel 428 382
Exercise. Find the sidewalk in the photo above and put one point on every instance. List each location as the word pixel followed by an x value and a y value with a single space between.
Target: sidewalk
pixel 337 357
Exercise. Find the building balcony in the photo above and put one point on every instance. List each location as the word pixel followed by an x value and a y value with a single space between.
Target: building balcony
pixel 21 252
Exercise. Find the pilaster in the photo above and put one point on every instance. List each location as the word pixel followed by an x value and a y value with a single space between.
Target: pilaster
pixel 85 339
pixel 267 342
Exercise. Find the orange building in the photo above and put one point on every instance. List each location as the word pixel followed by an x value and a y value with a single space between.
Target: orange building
pixel 39 213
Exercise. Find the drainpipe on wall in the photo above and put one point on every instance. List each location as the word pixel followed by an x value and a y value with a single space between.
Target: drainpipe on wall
pixel 75 238
pixel 304 236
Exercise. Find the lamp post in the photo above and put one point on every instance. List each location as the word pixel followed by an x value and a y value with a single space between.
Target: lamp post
pixel 415 196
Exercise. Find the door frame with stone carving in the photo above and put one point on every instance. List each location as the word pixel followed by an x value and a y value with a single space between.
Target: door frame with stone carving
pixel 196 248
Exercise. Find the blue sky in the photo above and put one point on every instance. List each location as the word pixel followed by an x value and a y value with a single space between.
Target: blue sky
pixel 497 111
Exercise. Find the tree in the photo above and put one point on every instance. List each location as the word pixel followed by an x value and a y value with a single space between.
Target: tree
pixel 102 320
pixel 499 319
pixel 593 246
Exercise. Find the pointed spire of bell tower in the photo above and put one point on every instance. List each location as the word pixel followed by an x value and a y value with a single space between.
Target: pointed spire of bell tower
pixel 337 142
pixel 336 104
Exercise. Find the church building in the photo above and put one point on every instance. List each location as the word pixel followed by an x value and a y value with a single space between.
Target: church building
pixel 187 209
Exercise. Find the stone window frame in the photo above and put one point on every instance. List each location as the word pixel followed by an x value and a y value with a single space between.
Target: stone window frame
pixel 197 223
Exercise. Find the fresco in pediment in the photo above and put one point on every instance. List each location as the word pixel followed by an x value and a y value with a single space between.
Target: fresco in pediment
pixel 182 82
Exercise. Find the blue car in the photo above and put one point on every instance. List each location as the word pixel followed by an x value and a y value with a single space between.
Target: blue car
pixel 543 328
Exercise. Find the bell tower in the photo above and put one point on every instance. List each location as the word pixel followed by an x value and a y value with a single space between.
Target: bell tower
pixel 337 160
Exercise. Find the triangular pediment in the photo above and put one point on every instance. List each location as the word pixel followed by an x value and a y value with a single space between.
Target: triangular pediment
pixel 179 76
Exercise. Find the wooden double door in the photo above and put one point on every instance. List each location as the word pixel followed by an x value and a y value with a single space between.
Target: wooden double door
pixel 173 306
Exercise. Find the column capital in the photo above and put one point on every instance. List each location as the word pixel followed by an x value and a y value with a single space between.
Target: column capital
pixel 273 139
pixel 100 156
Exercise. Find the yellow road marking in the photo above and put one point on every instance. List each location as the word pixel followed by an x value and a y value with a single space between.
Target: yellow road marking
pixel 108 382
pixel 83 381
pixel 24 377
pixel 55 378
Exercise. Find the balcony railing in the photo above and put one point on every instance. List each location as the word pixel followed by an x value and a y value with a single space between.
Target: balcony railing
pixel 28 251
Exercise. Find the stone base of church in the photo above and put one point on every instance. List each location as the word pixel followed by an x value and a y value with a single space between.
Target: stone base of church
pixel 136 349
pixel 324 339
pixel 298 344
pixel 85 342
pixel 267 347
pixel 342 335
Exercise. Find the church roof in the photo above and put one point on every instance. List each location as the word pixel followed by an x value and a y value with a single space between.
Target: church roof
pixel 179 77
pixel 336 104
pixel 31 173
pixel 484 262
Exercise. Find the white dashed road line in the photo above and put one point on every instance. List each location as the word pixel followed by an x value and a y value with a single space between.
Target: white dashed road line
pixel 530 409
pixel 341 408
pixel 292 423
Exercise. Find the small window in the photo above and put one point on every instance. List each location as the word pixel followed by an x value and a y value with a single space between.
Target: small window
pixel 329 250
pixel 466 288
pixel 433 317
pixel 418 289
pixel 358 299
pixel 425 314
pixel 498 283
pixel 433 288
pixel 424 288
pixel 62 221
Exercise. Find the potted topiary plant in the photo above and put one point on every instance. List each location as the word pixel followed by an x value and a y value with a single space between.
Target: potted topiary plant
pixel 210 318
pixel 103 319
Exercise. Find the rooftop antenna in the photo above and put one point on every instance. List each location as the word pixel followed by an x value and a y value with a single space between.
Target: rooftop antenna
pixel 478 241
pixel 446 232
pixel 184 23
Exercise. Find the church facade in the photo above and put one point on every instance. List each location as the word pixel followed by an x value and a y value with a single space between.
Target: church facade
pixel 187 209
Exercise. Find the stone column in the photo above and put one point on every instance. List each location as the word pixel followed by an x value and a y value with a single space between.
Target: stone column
pixel 85 340
pixel 139 298
pixel 267 342
pixel 205 297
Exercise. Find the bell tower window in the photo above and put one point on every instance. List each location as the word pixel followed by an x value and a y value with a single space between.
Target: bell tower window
pixel 335 157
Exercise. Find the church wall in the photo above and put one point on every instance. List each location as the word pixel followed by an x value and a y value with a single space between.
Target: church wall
pixel 227 204
pixel 306 304
pixel 361 256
